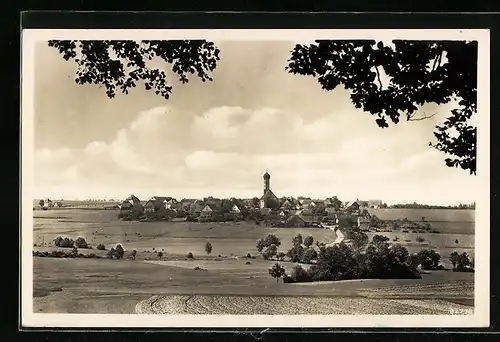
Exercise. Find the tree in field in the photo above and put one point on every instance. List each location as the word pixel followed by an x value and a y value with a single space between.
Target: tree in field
pixel 309 255
pixel 378 240
pixel 308 241
pixel 208 247
pixel 429 259
pixel 272 239
pixel 280 256
pixel 270 252
pixel 456 241
pixel 418 72
pixel 400 253
pixel 420 239
pixel 260 245
pixel 111 253
pixel 118 65
pixel 359 240
pixel 297 241
pixel 413 260
pixel 119 251
pixel 454 259
pixel 133 254
pixel 277 271
pixel 81 243
pixel 160 255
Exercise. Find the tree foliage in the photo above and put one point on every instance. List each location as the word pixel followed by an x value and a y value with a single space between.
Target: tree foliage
pixel 418 72
pixel 208 247
pixel 118 65
pixel 277 271
pixel 308 241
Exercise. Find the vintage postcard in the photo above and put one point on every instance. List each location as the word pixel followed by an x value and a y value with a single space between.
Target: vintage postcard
pixel 255 178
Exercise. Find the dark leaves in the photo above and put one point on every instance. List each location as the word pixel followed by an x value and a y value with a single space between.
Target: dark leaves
pixel 417 74
pixel 119 65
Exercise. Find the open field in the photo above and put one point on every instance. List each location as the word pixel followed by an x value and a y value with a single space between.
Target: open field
pixel 117 286
pixel 454 221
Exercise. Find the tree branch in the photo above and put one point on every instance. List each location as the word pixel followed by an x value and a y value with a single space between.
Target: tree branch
pixel 424 117
pixel 378 77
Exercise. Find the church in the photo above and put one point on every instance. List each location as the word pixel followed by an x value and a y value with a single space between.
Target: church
pixel 266 201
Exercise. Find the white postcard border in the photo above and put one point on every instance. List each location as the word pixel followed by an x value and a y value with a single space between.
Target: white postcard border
pixel 480 318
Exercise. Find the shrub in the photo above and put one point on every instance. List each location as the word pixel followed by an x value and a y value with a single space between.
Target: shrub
pixel 63 242
pixel 297 241
pixel 272 239
pixel 295 253
pixel 81 243
pixel 461 262
pixel 359 239
pixel 270 252
pixel 190 255
pixel 260 245
pixel 419 239
pixel 300 275
pixel 208 247
pixel 119 251
pixel 111 253
pixel 309 255
pixel 160 255
pixel 413 260
pixel 429 259
pixel 277 271
pixel 249 255
pixel 308 241
pixel 280 256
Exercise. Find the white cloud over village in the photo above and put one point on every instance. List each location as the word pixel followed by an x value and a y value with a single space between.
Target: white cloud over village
pixel 223 151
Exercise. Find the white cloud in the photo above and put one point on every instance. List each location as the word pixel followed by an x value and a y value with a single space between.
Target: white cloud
pixel 225 150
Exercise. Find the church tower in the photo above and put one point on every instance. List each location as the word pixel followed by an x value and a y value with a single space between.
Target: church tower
pixel 267 178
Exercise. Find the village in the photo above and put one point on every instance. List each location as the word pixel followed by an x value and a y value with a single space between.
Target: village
pixel 269 210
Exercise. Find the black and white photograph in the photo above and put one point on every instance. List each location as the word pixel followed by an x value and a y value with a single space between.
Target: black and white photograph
pixel 277 178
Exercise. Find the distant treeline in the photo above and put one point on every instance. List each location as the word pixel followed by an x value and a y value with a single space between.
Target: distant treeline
pixel 428 206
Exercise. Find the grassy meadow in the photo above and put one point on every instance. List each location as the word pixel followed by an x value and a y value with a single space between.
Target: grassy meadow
pixel 117 286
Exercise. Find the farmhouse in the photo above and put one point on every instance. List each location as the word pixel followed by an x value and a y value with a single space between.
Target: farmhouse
pixel 268 197
pixel 207 211
pixel 330 212
pixel 352 206
pixel 295 221
pixel 156 203
pixel 132 204
pixel 363 223
pixel 235 210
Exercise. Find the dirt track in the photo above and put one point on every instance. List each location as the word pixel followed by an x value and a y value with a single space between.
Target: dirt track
pixel 284 305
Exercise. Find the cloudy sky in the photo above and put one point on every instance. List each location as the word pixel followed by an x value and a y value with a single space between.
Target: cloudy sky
pixel 219 138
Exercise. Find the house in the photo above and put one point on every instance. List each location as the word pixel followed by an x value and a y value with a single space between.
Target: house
pixel 307 212
pixel 132 204
pixel 265 211
pixel 375 204
pixel 306 203
pixel 235 210
pixel 330 212
pixel 185 203
pixel 363 223
pixel 282 214
pixel 129 203
pixel 196 208
pixel 213 202
pixel 295 221
pixel 157 203
pixel 352 206
pixel 207 211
